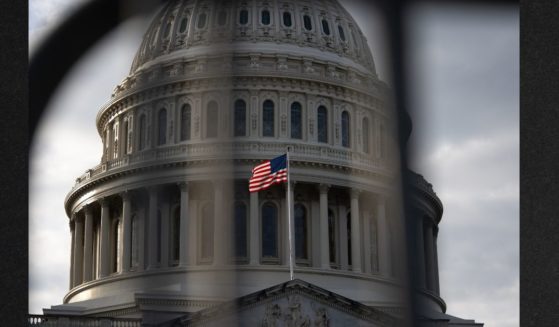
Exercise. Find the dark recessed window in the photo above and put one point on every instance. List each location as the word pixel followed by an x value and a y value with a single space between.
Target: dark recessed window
pixel 307 22
pixel 348 224
pixel 300 223
pixel 341 32
pixel 345 129
pixel 243 17
pixel 183 25
pixel 268 118
pixel 287 19
pixel 325 27
pixel 240 224
pixel 175 230
pixel 222 18
pixel 265 17
pixel 212 120
pixel 332 236
pixel 186 116
pixel 207 229
pixel 296 121
pixel 201 21
pixel 269 231
pixel 322 124
pixel 162 127
pixel 240 118
pixel 366 135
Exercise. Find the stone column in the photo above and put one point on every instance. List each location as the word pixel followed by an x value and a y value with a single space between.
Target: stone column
pixel 105 261
pixel 324 241
pixel 126 239
pixel 78 250
pixel 164 237
pixel 367 241
pixel 219 257
pixel 429 256
pixel 88 245
pixel 152 228
pixel 72 246
pixel 437 285
pixel 254 230
pixel 355 232
pixel 420 254
pixel 183 244
pixel 343 237
pixel 384 250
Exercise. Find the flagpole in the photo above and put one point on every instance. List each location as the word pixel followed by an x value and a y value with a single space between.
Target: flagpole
pixel 289 227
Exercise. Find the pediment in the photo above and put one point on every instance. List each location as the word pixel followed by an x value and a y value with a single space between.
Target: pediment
pixel 292 304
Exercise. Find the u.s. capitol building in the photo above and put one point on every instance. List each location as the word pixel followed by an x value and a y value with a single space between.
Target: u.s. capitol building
pixel 164 229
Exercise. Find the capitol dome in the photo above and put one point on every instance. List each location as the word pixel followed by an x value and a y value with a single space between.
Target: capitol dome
pixel 165 225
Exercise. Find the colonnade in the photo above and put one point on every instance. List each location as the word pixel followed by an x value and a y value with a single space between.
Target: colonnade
pixel 136 231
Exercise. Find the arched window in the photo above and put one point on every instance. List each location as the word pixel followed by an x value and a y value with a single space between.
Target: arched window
pixel 115 140
pixel 162 127
pixel 325 27
pixel 240 118
pixel 207 232
pixel 243 17
pixel 269 231
pixel 366 144
pixel 265 17
pixel 142 132
pixel 307 22
pixel 296 121
pixel 322 124
pixel 201 21
pixel 115 246
pixel 348 224
pixel 222 18
pixel 186 116
pixel 268 118
pixel 287 19
pixel 134 241
pixel 183 25
pixel 126 140
pixel 240 230
pixel 332 236
pixel 341 32
pixel 345 129
pixel 212 120
pixel 175 234
pixel 300 223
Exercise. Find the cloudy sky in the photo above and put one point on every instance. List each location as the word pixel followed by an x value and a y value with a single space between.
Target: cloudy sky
pixel 464 105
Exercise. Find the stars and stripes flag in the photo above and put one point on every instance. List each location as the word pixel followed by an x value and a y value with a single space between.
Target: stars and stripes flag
pixel 268 173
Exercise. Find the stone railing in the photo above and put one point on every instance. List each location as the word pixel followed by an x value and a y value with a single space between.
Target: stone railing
pixel 71 321
pixel 241 149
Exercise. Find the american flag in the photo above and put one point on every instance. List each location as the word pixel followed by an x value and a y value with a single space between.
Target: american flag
pixel 267 173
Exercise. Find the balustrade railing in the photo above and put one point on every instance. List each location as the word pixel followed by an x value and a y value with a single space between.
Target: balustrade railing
pixel 70 321
pixel 310 152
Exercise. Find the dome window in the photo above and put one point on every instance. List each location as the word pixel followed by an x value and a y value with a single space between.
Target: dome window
pixel 296 121
pixel 268 118
pixel 243 17
pixel 307 22
pixel 240 118
pixel 211 120
pixel 325 27
pixel 201 21
pixel 322 124
pixel 265 17
pixel 287 19
pixel 186 116
pixel 183 25
pixel 341 32
pixel 366 147
pixel 269 235
pixel 301 241
pixel 162 127
pixel 241 235
pixel 345 129
pixel 222 18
